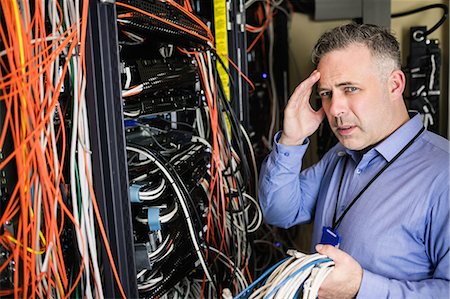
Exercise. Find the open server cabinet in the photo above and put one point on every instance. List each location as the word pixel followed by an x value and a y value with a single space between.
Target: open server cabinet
pixel 110 170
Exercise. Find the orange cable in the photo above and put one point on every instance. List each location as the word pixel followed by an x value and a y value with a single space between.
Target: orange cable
pixel 165 21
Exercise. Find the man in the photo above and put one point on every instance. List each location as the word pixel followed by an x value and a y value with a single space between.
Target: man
pixel 384 188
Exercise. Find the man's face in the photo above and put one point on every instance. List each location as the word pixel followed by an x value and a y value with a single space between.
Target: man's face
pixel 355 97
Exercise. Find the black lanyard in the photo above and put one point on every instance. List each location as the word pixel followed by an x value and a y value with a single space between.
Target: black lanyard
pixel 338 222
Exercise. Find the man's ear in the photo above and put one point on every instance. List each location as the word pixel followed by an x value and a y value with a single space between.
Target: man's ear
pixel 396 84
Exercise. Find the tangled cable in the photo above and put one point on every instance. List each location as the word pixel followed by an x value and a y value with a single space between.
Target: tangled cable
pixel 295 274
pixel 51 230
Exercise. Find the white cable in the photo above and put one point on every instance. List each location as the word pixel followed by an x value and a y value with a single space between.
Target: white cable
pixel 162 219
pixel 188 288
pixel 153 193
pixel 252 155
pixel 157 190
pixel 149 283
pixel 432 73
pixel 169 216
pixel 207 86
pixel 304 270
pixel 274 118
pixel 150 197
pixel 168 251
pixel 129 92
pixel 135 113
pixel 159 249
pixel 256 221
pixel 80 141
pixel 254 227
pixel 322 272
pixel 199 123
pixel 201 140
pixel 128 77
pixel 73 183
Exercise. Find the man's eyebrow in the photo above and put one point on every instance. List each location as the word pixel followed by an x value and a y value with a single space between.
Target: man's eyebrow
pixel 346 83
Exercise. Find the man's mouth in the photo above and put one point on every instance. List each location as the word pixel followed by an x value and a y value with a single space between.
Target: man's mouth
pixel 345 129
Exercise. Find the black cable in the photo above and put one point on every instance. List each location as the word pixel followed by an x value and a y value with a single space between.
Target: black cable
pixel 420 9
pixel 217 56
pixel 237 134
pixel 179 123
pixel 232 247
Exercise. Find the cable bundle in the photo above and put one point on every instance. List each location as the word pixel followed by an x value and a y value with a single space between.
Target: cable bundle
pixel 230 219
pixel 265 12
pixel 158 17
pixel 48 227
pixel 289 277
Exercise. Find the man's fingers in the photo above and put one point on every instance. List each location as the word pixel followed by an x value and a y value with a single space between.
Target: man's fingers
pixel 303 91
pixel 332 252
pixel 305 88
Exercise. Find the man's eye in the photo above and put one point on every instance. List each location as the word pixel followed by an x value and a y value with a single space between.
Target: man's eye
pixel 351 89
pixel 325 94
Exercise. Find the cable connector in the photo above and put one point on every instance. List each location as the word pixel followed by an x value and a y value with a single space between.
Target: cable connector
pixel 295 253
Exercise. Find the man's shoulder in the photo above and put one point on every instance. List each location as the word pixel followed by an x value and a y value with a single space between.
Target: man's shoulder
pixel 437 142
pixel 433 155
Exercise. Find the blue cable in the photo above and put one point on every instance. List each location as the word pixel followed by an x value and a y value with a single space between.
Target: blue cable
pixel 295 273
pixel 297 293
pixel 252 286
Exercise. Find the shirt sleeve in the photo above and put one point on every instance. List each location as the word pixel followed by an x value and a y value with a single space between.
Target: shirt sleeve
pixel 437 244
pixel 287 196
pixel 375 286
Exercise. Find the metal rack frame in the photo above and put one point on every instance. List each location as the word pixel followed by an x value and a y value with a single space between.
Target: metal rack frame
pixel 110 173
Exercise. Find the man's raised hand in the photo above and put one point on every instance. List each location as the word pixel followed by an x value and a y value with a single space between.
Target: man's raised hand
pixel 300 119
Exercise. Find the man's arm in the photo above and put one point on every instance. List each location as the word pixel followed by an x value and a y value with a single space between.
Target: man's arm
pixel 281 184
pixel 280 190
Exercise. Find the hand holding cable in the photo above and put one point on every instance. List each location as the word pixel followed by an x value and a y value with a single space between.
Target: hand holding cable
pixel 345 279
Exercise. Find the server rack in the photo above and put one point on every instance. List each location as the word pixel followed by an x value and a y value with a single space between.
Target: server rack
pixel 108 141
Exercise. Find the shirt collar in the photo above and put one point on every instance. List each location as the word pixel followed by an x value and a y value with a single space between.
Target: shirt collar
pixel 389 147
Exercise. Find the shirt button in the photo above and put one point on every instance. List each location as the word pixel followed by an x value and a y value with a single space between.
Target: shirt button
pixel 358 170
pixel 286 154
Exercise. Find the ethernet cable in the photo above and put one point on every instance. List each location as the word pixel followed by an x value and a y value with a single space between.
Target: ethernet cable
pixel 300 272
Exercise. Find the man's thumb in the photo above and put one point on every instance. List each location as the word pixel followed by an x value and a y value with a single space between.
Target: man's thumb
pixel 332 252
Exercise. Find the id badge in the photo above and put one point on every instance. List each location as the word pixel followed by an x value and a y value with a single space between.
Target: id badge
pixel 330 236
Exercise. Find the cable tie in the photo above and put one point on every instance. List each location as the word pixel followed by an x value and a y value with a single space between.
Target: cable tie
pixel 134 193
pixel 153 219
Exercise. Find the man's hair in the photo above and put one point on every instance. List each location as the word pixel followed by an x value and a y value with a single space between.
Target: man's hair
pixel 378 40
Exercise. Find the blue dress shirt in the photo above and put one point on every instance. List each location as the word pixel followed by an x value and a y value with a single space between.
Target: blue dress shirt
pixel 398 230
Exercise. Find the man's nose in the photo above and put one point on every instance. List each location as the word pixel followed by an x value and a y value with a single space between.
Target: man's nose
pixel 338 105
